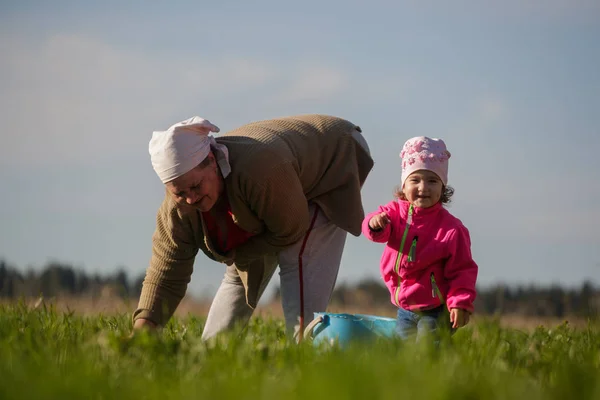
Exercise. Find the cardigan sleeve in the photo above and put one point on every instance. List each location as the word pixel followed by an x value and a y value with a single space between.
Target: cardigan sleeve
pixel 171 265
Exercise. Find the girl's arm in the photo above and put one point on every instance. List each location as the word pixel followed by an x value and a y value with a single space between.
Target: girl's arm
pixel 383 235
pixel 461 271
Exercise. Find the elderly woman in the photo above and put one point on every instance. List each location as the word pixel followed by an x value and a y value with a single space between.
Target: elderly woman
pixel 281 192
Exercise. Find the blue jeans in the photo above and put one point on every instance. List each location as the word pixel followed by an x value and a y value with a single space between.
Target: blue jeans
pixel 423 323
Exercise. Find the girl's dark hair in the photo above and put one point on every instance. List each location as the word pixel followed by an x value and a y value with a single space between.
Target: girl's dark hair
pixel 447 192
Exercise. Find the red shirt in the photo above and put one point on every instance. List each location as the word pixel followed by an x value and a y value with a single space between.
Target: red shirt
pixel 233 237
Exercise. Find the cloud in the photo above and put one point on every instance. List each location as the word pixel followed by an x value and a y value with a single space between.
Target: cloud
pixel 577 225
pixel 552 8
pixel 530 207
pixel 491 109
pixel 482 116
pixel 76 99
pixel 73 98
pixel 315 83
pixel 549 9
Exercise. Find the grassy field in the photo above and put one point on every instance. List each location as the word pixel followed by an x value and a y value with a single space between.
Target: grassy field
pixel 45 354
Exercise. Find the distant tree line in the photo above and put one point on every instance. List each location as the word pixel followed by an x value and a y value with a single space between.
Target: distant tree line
pixel 57 279
pixel 529 300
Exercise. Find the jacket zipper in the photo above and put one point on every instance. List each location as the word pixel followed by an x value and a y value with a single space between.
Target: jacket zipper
pixel 413 249
pixel 435 291
pixel 400 250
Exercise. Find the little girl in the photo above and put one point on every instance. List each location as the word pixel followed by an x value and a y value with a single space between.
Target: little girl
pixel 427 263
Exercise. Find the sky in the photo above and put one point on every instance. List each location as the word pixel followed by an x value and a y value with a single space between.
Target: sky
pixel 512 87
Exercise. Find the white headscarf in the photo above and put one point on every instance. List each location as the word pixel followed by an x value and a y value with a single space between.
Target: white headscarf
pixel 183 146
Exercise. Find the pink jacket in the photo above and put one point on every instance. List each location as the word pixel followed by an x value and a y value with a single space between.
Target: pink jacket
pixel 441 264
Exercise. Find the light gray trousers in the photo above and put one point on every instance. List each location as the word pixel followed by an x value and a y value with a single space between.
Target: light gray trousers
pixel 320 265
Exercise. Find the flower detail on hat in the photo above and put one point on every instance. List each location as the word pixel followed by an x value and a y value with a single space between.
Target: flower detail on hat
pixel 425 153
pixel 444 155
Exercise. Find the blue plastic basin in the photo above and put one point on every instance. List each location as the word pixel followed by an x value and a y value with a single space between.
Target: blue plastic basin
pixel 347 328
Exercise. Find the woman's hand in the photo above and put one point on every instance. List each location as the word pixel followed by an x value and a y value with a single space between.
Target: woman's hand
pixel 142 323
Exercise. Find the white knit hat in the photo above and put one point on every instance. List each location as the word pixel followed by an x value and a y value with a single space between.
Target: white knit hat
pixel 183 146
pixel 422 152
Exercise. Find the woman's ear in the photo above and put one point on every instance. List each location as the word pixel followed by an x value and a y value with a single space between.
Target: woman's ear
pixel 213 161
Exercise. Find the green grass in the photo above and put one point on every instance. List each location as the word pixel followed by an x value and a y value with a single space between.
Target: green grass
pixel 45 354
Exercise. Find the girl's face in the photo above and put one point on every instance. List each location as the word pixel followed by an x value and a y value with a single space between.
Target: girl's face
pixel 423 188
